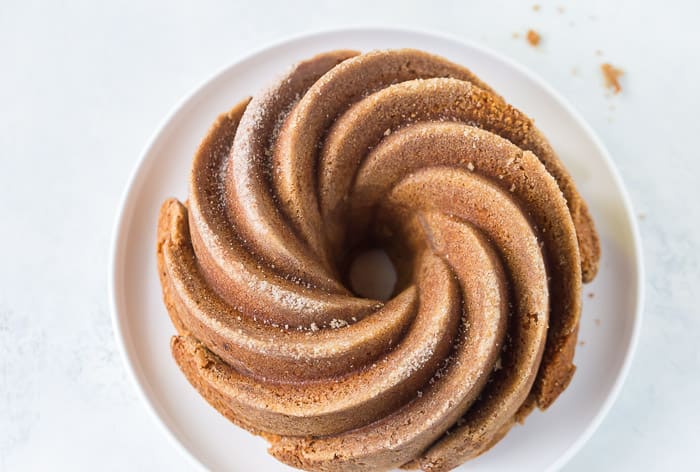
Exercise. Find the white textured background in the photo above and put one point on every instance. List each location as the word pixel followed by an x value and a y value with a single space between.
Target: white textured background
pixel 83 85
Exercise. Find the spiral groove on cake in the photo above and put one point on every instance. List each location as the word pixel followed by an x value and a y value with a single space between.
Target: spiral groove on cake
pixel 412 153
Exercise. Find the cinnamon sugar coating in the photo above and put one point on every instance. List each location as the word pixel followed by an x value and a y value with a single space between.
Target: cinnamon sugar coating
pixel 490 239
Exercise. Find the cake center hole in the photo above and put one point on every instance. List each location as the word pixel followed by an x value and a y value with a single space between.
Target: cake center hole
pixel 372 275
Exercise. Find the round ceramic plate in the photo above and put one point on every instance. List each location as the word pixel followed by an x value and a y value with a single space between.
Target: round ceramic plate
pixel 612 304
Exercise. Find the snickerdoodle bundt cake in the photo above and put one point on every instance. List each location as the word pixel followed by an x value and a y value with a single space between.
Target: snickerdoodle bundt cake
pixel 395 149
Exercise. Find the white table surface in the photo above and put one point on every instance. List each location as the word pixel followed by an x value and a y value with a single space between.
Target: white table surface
pixel 83 85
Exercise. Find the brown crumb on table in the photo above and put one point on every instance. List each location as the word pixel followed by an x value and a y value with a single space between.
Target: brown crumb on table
pixel 642 216
pixel 574 71
pixel 598 52
pixel 535 7
pixel 611 74
pixel 516 35
pixel 533 37
pixel 591 295
pixel 582 343
pixel 597 321
pixel 561 9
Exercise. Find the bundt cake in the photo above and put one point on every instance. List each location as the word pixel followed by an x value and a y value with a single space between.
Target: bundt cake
pixel 404 151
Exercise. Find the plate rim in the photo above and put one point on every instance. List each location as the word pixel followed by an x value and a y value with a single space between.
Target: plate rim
pixel 121 223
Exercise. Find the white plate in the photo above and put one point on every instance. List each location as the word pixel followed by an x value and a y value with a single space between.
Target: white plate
pixel 610 322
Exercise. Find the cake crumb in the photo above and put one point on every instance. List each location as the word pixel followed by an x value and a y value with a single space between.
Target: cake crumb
pixel 561 9
pixel 598 52
pixel 582 343
pixel 535 7
pixel 574 71
pixel 597 321
pixel 516 35
pixel 611 75
pixel 591 295
pixel 533 37
pixel 642 216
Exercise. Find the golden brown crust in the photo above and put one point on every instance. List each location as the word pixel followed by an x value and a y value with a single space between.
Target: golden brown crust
pixel 588 243
pixel 489 236
pixel 195 361
pixel 171 215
